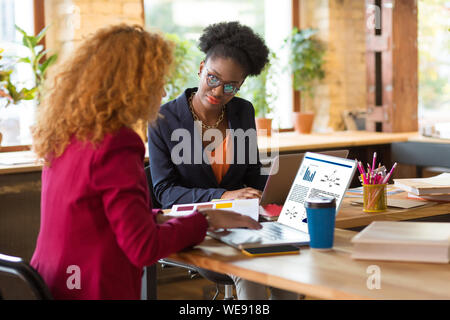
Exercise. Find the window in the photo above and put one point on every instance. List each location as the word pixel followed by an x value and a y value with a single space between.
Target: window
pixel 15 120
pixel 434 61
pixel 271 19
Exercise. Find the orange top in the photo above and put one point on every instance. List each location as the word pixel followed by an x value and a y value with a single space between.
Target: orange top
pixel 218 159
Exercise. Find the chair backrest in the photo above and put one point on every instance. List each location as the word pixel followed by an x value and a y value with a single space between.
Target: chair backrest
pixel 148 174
pixel 14 268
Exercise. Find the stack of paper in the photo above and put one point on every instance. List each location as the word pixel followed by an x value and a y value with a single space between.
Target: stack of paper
pixel 403 241
pixel 434 188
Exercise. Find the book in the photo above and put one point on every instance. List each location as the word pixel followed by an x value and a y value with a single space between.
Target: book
pixel 403 241
pixel 420 186
pixel 431 197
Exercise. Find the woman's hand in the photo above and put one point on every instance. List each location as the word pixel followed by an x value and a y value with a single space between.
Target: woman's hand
pixel 225 219
pixel 245 193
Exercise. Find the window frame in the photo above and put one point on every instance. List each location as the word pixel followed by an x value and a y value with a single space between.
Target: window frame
pixel 39 24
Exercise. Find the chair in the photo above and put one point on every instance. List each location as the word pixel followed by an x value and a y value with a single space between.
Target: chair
pixel 14 269
pixel 217 278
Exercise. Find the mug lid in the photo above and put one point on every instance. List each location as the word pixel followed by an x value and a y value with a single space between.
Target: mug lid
pixel 320 201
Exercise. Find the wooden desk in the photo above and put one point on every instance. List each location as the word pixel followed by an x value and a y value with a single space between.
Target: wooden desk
pixel 326 275
pixel 294 142
pixel 351 216
pixel 333 274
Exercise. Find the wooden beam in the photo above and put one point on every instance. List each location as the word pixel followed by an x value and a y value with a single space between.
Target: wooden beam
pixel 296 103
pixel 143 12
pixel 392 64
pixel 405 60
pixel 39 16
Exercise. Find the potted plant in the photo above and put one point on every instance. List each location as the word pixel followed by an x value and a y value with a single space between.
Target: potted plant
pixel 256 90
pixel 186 61
pixel 182 74
pixel 4 75
pixel 9 92
pixel 306 65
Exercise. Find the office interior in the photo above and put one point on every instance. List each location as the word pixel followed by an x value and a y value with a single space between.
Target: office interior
pixel 385 89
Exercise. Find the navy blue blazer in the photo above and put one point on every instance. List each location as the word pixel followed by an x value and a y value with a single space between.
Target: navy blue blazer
pixel 193 180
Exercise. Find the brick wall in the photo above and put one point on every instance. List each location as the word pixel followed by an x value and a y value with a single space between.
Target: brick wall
pixel 72 20
pixel 341 25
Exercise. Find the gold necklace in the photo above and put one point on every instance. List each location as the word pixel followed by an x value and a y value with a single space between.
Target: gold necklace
pixel 196 118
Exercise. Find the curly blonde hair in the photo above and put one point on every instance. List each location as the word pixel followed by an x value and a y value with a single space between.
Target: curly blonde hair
pixel 114 79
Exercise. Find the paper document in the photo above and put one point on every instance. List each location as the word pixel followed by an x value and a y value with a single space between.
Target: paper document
pixel 398 203
pixel 248 207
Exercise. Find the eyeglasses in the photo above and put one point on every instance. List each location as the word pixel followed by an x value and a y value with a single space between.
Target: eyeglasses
pixel 213 82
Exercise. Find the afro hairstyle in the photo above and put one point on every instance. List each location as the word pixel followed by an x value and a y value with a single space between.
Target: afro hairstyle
pixel 236 41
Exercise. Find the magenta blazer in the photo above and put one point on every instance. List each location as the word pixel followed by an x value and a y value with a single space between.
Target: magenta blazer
pixel 98 229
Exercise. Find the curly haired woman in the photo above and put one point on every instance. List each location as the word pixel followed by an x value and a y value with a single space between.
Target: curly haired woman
pixel 98 229
pixel 230 168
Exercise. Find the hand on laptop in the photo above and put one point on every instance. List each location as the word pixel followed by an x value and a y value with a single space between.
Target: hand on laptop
pixel 245 193
pixel 223 219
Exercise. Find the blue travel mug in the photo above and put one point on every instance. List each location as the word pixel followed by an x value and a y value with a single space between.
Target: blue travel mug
pixel 321 216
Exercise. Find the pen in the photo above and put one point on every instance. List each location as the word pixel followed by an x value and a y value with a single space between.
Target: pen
pixel 374 160
pixel 388 176
pixel 363 173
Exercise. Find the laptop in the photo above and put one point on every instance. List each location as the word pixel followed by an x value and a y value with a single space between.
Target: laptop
pixel 282 174
pixel 317 174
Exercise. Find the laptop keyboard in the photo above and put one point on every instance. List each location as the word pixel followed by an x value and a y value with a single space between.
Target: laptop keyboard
pixel 274 231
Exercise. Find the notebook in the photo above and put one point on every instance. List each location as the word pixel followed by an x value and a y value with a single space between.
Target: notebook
pixel 317 174
pixel 439 184
pixel 282 174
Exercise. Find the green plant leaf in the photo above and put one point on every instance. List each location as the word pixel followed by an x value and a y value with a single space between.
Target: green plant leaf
pixel 36 54
pixel 20 30
pixel 28 94
pixel 306 58
pixel 41 55
pixel 186 60
pixel 27 41
pixel 41 34
pixel 24 60
pixel 47 63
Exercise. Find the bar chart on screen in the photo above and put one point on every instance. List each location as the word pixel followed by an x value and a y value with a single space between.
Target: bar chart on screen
pixel 309 175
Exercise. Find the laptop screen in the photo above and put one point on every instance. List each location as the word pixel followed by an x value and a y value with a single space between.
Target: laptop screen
pixel 318 174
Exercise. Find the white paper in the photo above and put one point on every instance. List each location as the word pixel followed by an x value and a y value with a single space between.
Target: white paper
pixel 248 207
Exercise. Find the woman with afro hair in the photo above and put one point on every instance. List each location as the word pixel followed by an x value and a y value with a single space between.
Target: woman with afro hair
pixel 204 145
